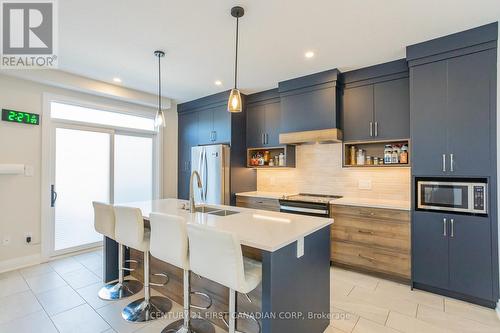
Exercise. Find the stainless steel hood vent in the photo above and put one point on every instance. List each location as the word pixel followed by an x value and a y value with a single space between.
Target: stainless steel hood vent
pixel 330 135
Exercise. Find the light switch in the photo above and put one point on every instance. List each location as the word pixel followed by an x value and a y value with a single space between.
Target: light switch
pixel 300 247
pixel 365 184
pixel 29 170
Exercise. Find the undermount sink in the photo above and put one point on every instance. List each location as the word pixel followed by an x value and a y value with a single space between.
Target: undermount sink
pixel 224 212
pixel 206 209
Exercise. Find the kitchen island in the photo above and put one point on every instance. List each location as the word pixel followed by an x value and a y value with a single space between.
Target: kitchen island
pixel 294 295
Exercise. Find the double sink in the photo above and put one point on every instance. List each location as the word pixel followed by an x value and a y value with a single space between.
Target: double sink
pixel 215 211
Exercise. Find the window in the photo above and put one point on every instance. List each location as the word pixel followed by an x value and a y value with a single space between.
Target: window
pixel 94 116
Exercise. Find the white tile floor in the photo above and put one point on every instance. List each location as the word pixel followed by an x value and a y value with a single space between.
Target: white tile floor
pixel 61 296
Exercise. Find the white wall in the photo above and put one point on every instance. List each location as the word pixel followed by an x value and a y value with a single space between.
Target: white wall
pixel 19 195
pixel 170 154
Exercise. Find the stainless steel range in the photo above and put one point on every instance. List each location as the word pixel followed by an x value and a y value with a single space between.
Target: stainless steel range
pixel 307 204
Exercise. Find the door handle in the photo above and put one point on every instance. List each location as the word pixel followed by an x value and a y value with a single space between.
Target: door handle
pixel 451 162
pixel 53 196
pixel 267 138
pixel 263 138
pixel 376 128
pixel 452 228
pixel 367 232
pixel 371 128
pixel 444 226
pixel 215 136
pixel 444 162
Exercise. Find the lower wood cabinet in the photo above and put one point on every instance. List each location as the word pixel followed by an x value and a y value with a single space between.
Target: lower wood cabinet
pixel 372 239
pixel 258 203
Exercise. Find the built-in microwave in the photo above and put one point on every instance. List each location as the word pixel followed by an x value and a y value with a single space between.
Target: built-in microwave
pixel 453 195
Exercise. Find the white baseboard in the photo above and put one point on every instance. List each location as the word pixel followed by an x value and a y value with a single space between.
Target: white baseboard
pixel 21 262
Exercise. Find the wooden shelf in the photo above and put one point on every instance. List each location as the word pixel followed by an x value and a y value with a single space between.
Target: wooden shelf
pixel 287 150
pixel 373 149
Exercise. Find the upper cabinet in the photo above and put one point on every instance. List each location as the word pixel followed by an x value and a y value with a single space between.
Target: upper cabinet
pixel 310 102
pixel 263 119
pixel 376 103
pixel 205 121
pixel 453 102
pixel 214 125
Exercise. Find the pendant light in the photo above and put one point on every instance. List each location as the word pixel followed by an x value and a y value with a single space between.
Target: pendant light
pixel 160 116
pixel 234 103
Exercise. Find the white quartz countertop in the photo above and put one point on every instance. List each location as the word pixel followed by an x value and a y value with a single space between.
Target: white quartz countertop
pixel 373 203
pixel 348 201
pixel 259 229
pixel 262 194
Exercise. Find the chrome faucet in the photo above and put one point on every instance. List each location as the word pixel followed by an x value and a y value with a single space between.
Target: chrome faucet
pixel 192 206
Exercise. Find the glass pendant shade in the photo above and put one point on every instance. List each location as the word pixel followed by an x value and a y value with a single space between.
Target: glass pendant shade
pixel 160 119
pixel 234 103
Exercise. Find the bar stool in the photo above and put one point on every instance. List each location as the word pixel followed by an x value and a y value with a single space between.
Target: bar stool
pixel 130 231
pixel 169 243
pixel 104 223
pixel 217 255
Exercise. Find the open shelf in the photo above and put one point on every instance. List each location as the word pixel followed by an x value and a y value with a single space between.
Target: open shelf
pixel 287 150
pixel 374 149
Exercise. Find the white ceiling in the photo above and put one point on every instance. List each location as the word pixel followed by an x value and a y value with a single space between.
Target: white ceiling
pixel 102 39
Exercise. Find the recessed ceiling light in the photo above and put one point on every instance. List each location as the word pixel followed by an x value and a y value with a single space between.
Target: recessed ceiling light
pixel 117 80
pixel 309 54
pixel 218 83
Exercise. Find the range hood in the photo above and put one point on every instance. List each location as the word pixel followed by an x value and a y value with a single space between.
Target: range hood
pixel 330 135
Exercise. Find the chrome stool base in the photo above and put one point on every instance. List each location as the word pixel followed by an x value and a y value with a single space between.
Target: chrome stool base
pixel 197 325
pixel 141 311
pixel 117 290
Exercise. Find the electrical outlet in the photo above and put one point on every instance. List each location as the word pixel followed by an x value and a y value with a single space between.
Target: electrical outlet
pixel 29 170
pixel 6 240
pixel 365 184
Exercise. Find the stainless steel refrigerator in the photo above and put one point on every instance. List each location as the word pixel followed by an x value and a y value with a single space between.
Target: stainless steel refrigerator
pixel 212 163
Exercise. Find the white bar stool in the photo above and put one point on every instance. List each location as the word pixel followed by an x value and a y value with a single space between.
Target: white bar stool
pixel 104 223
pixel 130 231
pixel 217 255
pixel 169 243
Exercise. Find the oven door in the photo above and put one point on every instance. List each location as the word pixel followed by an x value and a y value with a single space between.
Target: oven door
pixel 304 208
pixel 444 196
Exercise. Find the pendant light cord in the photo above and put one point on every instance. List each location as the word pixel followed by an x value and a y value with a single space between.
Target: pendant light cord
pixel 159 83
pixel 236 58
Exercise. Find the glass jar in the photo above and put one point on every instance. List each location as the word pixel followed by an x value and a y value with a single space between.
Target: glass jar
pixel 403 156
pixel 360 158
pixel 387 154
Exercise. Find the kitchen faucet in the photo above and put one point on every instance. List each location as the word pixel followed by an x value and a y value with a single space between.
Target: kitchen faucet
pixel 192 206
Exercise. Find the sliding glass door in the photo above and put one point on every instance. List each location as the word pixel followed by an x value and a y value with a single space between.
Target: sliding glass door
pixel 91 161
pixel 82 175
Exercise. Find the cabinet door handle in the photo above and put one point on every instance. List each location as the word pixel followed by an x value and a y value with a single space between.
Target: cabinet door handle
pixel 263 138
pixel 215 135
pixel 376 128
pixel 444 162
pixel 366 232
pixel 366 257
pixel 452 228
pixel 444 226
pixel 451 162
pixel 267 139
pixel 371 128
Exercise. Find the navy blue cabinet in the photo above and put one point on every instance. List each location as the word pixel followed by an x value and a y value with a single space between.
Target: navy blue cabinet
pixel 376 103
pixel 188 137
pixel 453 252
pixel 430 249
pixel 310 102
pixel 453 102
pixel 428 118
pixel 453 135
pixel 214 125
pixel 263 119
pixel 470 256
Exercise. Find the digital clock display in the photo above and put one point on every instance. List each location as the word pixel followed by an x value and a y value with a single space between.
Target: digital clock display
pixel 20 117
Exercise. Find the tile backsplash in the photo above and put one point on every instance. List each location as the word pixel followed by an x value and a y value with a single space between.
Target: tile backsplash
pixel 319 170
